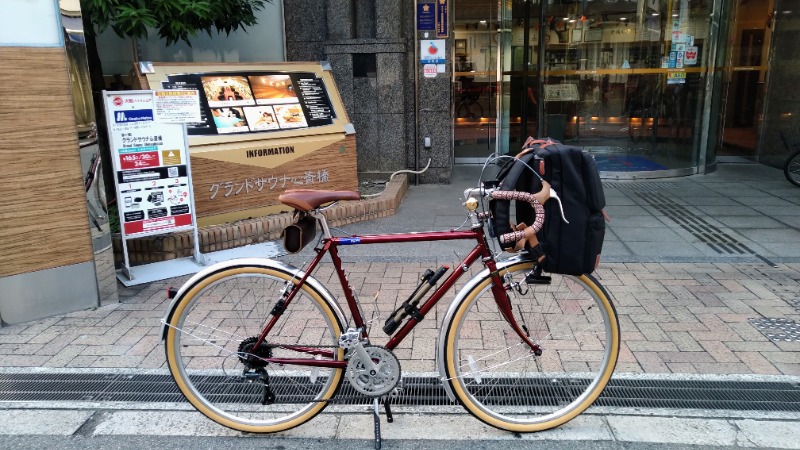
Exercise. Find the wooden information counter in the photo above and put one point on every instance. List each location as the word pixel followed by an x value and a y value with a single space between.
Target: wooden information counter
pixel 265 128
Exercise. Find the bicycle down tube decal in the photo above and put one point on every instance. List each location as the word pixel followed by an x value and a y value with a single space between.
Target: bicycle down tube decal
pixel 349 241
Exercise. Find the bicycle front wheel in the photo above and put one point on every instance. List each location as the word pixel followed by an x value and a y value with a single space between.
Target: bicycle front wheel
pixel 500 380
pixel 209 346
pixel 792 169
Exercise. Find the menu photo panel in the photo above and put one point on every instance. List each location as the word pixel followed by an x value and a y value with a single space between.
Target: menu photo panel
pixel 255 102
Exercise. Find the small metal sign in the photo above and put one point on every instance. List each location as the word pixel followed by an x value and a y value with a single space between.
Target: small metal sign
pixel 429 70
pixel 426 16
pixel 442 19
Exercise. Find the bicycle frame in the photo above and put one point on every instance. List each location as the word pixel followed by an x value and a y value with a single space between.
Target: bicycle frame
pixel 331 244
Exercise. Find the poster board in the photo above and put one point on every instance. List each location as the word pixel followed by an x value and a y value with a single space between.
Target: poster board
pixel 150 165
pixel 566 92
pixel 241 163
pixel 149 154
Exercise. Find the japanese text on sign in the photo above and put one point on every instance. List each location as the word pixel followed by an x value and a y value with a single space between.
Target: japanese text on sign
pixel 177 105
pixel 258 184
pixel 441 19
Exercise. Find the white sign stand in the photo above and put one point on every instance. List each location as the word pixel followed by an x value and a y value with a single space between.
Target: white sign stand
pixel 150 155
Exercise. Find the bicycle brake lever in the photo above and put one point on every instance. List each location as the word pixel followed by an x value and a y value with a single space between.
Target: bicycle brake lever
pixel 560 206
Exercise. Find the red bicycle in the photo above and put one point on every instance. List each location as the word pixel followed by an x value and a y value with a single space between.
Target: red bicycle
pixel 260 346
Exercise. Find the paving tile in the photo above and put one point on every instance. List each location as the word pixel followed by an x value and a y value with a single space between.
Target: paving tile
pixel 768 434
pixel 712 432
pixel 719 352
pixel 757 363
pixel 722 368
pixel 56 422
pixel 651 362
pixel 684 342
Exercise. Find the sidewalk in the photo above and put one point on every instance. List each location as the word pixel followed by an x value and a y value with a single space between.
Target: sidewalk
pixel 704 270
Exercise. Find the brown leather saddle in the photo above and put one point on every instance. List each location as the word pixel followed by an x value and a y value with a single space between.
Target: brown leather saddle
pixel 307 199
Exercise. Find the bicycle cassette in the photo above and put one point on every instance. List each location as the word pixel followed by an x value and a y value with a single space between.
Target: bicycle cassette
pixel 379 381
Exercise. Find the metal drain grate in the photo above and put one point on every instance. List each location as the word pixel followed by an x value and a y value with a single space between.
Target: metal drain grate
pixel 418 391
pixel 778 329
pixel 706 233
pixel 639 186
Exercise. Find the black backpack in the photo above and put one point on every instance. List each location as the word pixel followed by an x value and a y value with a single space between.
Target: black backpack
pixel 569 248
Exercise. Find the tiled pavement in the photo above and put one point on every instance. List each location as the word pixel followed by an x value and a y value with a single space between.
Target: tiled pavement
pixel 675 318
pixel 684 306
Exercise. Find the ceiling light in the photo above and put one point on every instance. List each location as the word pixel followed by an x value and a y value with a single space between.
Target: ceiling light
pixel 654 14
pixel 483 22
pixel 572 20
pixel 675 15
pixel 566 18
pixel 623 18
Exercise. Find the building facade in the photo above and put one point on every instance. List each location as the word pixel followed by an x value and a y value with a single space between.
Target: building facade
pixel 652 88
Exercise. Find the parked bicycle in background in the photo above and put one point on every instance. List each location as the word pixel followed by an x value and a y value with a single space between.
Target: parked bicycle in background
pixel 791 167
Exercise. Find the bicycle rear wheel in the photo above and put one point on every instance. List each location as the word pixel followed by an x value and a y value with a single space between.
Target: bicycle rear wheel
pixel 792 169
pixel 209 349
pixel 501 381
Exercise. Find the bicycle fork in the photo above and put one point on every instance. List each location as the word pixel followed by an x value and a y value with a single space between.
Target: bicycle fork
pixel 500 292
pixel 500 287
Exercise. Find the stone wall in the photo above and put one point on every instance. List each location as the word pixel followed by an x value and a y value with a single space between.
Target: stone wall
pixel 370 45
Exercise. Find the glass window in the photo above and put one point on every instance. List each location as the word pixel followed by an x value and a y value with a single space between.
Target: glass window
pixel 623 79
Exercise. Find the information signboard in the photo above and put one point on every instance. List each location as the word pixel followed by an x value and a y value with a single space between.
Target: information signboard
pixel 241 165
pixel 151 166
pixel 561 93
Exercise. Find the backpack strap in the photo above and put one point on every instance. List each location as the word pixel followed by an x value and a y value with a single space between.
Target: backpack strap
pixel 532 141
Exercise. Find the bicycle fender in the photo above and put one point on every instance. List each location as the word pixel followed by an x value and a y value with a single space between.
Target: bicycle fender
pixel 448 317
pixel 250 262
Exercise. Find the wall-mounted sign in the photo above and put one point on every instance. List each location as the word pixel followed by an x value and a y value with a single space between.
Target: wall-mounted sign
pixel 432 51
pixel 293 132
pixel 442 26
pixel 248 102
pixel 676 77
pixel 673 59
pixel 690 56
pixel 426 16
pixel 561 93
pixel 430 70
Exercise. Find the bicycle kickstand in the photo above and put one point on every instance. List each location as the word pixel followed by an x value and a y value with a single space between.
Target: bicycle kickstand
pixel 377 424
pixel 376 415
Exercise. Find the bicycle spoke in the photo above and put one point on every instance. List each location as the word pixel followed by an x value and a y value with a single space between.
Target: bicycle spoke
pixel 213 346
pixel 503 382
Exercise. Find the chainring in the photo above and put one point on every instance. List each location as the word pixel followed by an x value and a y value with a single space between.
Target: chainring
pixel 382 380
